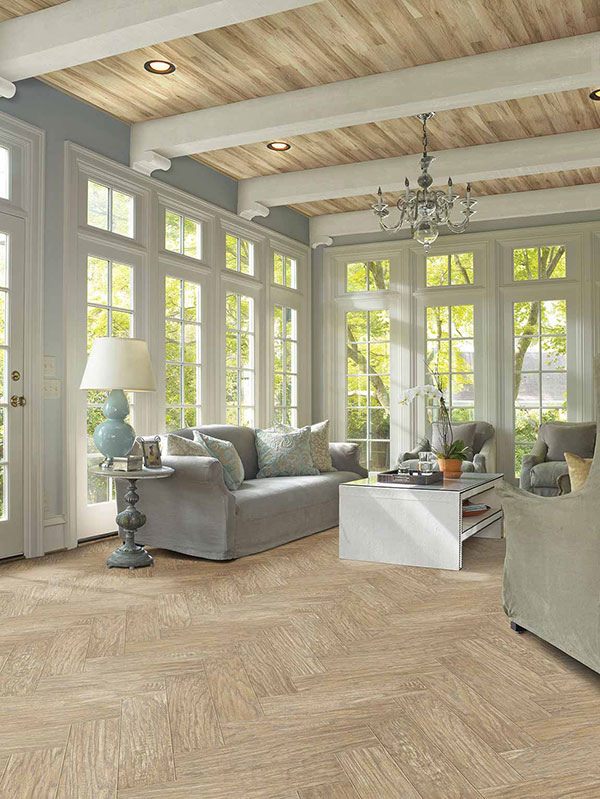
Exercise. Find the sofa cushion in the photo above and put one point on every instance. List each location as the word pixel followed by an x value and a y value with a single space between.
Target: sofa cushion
pixel 226 453
pixel 576 437
pixel 262 499
pixel 286 453
pixel 545 475
pixel 464 431
pixel 242 439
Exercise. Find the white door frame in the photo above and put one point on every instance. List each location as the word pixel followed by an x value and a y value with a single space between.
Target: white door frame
pixel 26 144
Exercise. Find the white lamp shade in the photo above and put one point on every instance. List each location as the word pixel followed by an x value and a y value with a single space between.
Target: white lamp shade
pixel 119 363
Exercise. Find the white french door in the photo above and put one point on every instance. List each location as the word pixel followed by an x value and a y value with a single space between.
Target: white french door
pixel 12 268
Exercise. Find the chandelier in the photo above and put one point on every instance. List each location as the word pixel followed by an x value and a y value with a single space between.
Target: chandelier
pixel 425 209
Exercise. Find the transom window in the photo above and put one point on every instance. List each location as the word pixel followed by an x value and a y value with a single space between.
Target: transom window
pixel 239 255
pixel 368 385
pixel 183 235
pixel 450 355
pixel 110 312
pixel 4 172
pixel 540 263
pixel 285 271
pixel 285 365
pixel 368 276
pixel 540 370
pixel 109 209
pixel 449 270
pixel 183 353
pixel 239 359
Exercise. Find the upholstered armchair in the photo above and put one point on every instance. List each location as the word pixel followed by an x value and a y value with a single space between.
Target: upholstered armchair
pixel 552 565
pixel 480 436
pixel 544 471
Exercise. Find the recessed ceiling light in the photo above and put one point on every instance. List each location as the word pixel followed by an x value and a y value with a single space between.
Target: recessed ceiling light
pixel 595 95
pixel 279 146
pixel 158 67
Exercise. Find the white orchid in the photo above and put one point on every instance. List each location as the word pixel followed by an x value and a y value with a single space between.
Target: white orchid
pixel 428 391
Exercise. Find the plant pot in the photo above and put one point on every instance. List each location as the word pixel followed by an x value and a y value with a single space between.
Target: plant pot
pixel 451 467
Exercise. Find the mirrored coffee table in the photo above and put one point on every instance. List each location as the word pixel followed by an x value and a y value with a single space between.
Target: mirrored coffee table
pixel 414 525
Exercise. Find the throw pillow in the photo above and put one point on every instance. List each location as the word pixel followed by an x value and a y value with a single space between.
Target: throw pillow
pixel 465 432
pixel 319 444
pixel 578 438
pixel 224 451
pixel 178 445
pixel 282 454
pixel 579 469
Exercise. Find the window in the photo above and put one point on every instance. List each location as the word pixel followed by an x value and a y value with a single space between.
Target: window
pixel 285 271
pixel 109 209
pixel 4 172
pixel 449 270
pixel 540 370
pixel 368 276
pixel 285 366
pixel 540 263
pixel 183 235
pixel 368 385
pixel 109 313
pixel 239 255
pixel 239 359
pixel 450 355
pixel 183 353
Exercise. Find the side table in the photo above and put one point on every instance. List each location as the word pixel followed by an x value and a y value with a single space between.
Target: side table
pixel 130 555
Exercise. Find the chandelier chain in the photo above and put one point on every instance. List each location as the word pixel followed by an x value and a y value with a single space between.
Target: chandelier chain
pixel 424 138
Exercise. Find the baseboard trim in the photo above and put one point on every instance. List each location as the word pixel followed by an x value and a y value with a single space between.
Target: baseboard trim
pixel 55 529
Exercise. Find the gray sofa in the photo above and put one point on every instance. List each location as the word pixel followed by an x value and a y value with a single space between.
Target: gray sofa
pixel 484 450
pixel 544 471
pixel 193 511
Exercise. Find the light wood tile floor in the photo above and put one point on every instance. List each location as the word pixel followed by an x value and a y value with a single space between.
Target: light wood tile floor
pixel 286 675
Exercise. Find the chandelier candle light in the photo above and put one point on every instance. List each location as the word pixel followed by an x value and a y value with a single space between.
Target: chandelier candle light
pixel 425 209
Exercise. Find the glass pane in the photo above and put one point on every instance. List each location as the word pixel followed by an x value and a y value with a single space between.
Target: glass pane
pixel 291 357
pixel 122 286
pixel 191 417
pixel 357 359
pixel 231 415
pixel 3 259
pixel 3 317
pixel 278 389
pixel 231 387
pixel 527 318
pixel 527 390
pixel 231 349
pixel 2 454
pixel 462 321
pixel 437 270
pixel 173 340
pixel 290 272
pixel 173 384
pixel 172 231
pixel 4 173
pixel 357 423
pixel 97 324
pixel 246 314
pixel 173 297
pixel 291 390
pixel 379 391
pixel 290 323
pixel 554 353
pixel 553 262
pixel 246 257
pixel 246 388
pixel 527 353
pixel 191 385
pixel 357 390
pixel 231 252
pixel 191 353
pixel 191 302
pixel 527 421
pixel 461 268
pixel 462 414
pixel 438 356
pixel 379 423
pixel 379 355
pixel 97 207
pixel 247 417
pixel 463 357
pixel 554 389
pixel 463 390
pixel 122 324
pixel 379 325
pixel 278 355
pixel 362 447
pixel 356 277
pixel 122 214
pixel 173 419
pixel 192 238
pixel 438 325
pixel 246 350
pixel 525 264
pixel 379 275
pixel 97 280
pixel 554 415
pixel 3 375
pixel 356 324
pixel 521 450
pixel 278 321
pixel 554 317
pixel 231 310
pixel 380 455
pixel 278 269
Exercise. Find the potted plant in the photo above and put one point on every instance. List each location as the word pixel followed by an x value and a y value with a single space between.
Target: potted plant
pixel 452 453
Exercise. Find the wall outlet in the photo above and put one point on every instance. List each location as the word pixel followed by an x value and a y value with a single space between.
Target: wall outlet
pixel 51 389
pixel 49 366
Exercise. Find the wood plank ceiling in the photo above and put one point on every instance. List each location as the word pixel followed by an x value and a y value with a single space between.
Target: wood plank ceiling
pixel 337 40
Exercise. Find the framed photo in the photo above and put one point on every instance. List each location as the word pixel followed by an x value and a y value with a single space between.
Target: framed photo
pixel 150 452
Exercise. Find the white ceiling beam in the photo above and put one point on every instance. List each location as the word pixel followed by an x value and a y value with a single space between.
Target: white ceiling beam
pixel 493 207
pixel 80 31
pixel 554 66
pixel 578 150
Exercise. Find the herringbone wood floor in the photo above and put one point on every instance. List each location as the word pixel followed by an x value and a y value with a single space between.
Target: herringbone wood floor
pixel 287 675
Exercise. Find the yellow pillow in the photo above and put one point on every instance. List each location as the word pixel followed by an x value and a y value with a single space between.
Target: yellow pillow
pixel 579 469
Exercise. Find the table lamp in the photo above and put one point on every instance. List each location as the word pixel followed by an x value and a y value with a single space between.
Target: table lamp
pixel 117 365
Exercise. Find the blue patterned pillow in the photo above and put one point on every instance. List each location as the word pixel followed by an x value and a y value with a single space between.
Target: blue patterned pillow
pixel 282 454
pixel 224 451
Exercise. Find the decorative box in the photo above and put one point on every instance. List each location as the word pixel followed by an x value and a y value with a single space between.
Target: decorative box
pixel 130 463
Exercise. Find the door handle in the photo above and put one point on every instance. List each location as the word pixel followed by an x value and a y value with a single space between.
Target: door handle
pixel 17 401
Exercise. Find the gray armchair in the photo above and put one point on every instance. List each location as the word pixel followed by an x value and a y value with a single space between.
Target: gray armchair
pixel 551 586
pixel 544 471
pixel 484 450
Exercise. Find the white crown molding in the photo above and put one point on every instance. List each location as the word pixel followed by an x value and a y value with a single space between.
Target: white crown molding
pixel 81 31
pixel 554 66
pixel 499 206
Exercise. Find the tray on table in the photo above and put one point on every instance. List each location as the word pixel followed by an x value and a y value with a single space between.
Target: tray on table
pixel 411 478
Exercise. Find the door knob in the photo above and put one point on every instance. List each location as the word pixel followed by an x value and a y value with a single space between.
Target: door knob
pixel 16 401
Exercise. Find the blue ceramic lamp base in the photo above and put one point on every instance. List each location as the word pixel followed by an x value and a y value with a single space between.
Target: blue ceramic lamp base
pixel 114 438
